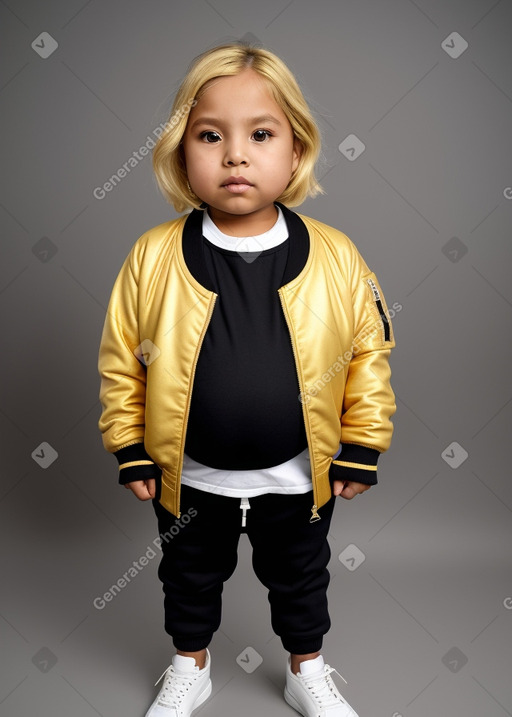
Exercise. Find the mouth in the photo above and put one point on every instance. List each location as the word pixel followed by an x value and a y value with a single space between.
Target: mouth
pixel 237 185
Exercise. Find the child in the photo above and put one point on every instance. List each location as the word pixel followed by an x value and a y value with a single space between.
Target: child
pixel 243 345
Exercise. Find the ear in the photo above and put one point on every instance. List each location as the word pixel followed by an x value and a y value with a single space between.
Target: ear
pixel 297 153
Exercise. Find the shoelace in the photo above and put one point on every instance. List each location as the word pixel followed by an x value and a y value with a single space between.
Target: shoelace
pixel 175 686
pixel 323 688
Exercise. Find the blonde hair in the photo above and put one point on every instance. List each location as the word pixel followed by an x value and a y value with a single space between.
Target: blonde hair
pixel 221 61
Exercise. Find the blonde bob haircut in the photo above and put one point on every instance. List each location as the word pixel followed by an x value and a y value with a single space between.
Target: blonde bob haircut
pixel 221 61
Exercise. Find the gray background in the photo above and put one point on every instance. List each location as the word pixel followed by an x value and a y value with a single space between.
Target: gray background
pixel 423 625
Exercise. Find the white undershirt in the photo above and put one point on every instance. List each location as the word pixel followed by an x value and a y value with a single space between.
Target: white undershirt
pixel 276 235
pixel 293 476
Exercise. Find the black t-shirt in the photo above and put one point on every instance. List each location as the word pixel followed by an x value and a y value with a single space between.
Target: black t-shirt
pixel 245 411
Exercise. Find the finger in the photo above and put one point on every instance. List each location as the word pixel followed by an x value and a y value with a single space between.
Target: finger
pixel 139 488
pixel 348 492
pixel 337 487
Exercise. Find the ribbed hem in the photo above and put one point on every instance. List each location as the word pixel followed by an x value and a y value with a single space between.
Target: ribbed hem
pixel 135 464
pixel 302 646
pixel 355 463
pixel 191 644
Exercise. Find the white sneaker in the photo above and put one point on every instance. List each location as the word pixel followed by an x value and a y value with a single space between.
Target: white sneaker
pixel 313 693
pixel 185 687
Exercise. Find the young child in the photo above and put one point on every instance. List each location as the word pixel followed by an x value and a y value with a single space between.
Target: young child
pixel 244 368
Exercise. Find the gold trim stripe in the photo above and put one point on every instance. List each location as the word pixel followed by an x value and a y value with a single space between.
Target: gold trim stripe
pixel 136 463
pixel 362 466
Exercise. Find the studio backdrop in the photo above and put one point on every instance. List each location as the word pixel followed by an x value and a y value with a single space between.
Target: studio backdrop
pixel 414 102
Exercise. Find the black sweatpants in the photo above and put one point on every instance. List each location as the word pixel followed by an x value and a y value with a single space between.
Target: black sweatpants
pixel 290 557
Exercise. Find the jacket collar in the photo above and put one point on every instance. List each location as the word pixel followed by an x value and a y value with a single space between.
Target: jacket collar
pixel 192 246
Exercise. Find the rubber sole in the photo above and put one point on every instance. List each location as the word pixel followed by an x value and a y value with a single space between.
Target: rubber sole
pixel 290 699
pixel 199 701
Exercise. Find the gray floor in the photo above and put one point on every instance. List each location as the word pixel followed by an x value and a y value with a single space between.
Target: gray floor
pixel 420 626
pixel 423 625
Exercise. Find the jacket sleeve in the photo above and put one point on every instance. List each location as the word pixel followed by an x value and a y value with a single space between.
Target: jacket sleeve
pixel 369 401
pixel 123 378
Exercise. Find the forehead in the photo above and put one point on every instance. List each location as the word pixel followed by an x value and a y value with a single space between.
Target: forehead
pixel 247 89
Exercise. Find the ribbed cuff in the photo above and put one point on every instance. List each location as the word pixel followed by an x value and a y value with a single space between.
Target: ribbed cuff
pixel 192 644
pixel 135 464
pixel 355 463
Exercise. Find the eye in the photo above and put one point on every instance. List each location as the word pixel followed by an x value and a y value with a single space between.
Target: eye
pixel 261 135
pixel 210 137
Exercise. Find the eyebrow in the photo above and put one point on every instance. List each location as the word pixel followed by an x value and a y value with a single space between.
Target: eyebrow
pixel 253 120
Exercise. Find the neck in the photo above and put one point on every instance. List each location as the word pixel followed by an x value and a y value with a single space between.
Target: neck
pixel 244 225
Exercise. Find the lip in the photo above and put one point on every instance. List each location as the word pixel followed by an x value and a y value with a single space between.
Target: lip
pixel 236 180
pixel 236 188
pixel 237 185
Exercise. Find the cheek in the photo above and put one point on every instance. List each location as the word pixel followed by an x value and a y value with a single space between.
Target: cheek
pixel 287 165
pixel 199 167
pixel 286 160
pixel 189 150
pixel 190 161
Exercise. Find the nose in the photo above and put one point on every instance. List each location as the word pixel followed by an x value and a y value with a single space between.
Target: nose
pixel 235 154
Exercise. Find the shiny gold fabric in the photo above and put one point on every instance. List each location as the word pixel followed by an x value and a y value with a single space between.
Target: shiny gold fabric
pixel 336 330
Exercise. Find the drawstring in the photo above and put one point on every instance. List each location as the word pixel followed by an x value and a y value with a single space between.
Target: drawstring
pixel 244 506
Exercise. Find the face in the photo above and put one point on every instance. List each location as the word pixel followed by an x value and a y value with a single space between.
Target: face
pixel 237 130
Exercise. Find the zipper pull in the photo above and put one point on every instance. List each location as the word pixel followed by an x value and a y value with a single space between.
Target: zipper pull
pixel 244 505
pixel 315 516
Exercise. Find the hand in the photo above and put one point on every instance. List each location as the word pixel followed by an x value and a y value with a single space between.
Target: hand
pixel 348 488
pixel 143 489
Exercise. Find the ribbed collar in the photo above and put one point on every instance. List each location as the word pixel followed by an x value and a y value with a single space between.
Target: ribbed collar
pixel 192 245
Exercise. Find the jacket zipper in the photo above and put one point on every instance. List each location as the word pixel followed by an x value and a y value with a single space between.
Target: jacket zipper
pixel 189 397
pixel 314 509
pixel 380 308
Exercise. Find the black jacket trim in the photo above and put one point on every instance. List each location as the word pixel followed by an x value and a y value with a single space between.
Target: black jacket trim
pixel 360 457
pixel 144 471
pixel 192 245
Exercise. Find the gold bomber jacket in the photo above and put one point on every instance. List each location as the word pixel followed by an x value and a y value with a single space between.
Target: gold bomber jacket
pixel 157 317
